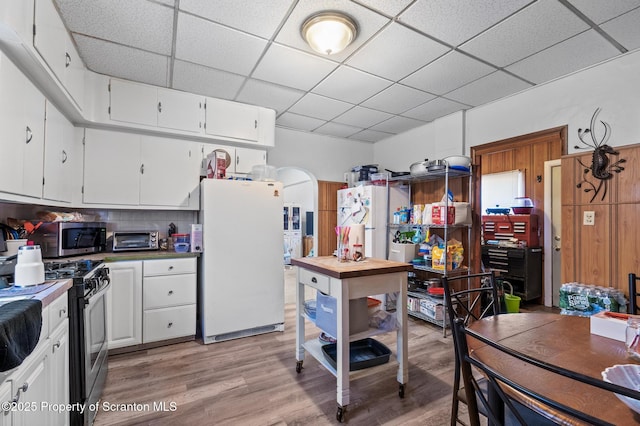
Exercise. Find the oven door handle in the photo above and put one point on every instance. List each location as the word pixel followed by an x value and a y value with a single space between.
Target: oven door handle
pixel 96 296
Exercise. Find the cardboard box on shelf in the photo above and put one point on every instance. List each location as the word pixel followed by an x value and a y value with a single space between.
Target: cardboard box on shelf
pixel 432 309
pixel 402 252
pixel 438 214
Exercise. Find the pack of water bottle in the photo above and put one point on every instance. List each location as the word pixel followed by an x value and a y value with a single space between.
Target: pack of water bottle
pixel 586 300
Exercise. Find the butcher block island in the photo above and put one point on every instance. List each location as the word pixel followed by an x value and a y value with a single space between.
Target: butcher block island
pixel 346 281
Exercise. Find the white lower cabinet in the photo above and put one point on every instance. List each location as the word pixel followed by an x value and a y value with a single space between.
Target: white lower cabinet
pixel 169 301
pixel 30 388
pixel 59 378
pixel 41 382
pixel 151 301
pixel 5 396
pixel 124 304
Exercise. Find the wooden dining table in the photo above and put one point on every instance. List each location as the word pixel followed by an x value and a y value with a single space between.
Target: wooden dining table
pixel 562 340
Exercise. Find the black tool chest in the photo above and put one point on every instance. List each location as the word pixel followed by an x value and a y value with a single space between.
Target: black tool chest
pixel 522 267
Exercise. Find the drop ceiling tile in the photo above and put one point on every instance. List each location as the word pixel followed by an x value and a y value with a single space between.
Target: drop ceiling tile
pixel 571 55
pixel 397 99
pixel 625 29
pixel 207 81
pixel 397 125
pixel 261 17
pixel 351 85
pixel 456 21
pixel 368 23
pixel 279 98
pixel 117 61
pixel 336 129
pixel 299 122
pixel 535 28
pixel 487 89
pixel 362 117
pixel 403 50
pixel 313 105
pixel 601 11
pixel 368 135
pixel 302 71
pixel 447 73
pixel 140 24
pixel 439 107
pixel 206 43
pixel 391 8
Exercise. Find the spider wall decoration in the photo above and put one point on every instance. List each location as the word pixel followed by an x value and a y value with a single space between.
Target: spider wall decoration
pixel 601 167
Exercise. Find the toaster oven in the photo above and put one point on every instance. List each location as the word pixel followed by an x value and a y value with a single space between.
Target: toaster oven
pixel 135 240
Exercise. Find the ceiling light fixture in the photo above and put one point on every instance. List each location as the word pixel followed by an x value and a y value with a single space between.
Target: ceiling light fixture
pixel 329 32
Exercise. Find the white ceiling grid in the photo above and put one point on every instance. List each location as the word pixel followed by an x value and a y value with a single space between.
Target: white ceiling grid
pixel 412 62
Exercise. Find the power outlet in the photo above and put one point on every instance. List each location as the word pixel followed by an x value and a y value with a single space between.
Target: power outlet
pixel 589 218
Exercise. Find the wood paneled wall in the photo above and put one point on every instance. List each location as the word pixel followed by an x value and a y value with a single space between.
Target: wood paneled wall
pixel 327 216
pixel 606 252
pixel 527 153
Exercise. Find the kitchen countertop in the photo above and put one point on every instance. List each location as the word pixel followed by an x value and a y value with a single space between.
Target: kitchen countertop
pixel 329 265
pixel 129 255
pixel 47 295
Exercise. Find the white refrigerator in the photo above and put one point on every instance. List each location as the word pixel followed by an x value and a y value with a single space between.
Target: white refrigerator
pixel 241 273
pixel 368 204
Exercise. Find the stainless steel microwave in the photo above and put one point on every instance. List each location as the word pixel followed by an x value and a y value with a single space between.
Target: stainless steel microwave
pixel 135 240
pixel 59 239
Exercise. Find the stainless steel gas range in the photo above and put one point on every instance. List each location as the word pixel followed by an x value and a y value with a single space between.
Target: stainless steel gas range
pixel 87 332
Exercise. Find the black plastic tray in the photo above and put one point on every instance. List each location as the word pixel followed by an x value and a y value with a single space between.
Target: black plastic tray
pixel 363 353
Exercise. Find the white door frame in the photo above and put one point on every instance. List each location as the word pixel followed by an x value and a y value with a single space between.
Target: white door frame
pixel 548 233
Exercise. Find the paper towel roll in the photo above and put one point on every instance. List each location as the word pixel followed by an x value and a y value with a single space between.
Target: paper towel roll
pixel 356 236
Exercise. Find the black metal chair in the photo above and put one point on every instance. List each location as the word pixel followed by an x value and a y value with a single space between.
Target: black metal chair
pixel 633 294
pixel 505 409
pixel 478 299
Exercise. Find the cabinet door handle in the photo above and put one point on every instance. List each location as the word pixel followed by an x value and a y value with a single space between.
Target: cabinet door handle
pixel 56 345
pixel 67 59
pixel 22 389
pixel 170 292
pixel 237 160
pixel 64 156
pixel 314 280
pixel 29 134
pixel 63 312
pixel 142 169
pixel 171 267
pixel 159 106
pixel 169 325
pixel 255 124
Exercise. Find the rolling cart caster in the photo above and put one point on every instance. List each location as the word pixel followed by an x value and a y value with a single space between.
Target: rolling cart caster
pixel 401 391
pixel 298 367
pixel 340 413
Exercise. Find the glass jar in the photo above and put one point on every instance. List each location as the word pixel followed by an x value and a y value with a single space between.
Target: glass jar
pixel 632 338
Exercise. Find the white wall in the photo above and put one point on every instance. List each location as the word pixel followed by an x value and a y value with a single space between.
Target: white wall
pixel 327 158
pixel 613 86
pixel 433 141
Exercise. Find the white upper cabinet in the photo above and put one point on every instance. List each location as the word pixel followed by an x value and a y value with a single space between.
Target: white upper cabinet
pixel 56 48
pixel 111 167
pixel 21 132
pixel 246 158
pixel 155 106
pixel 58 146
pixel 138 170
pixel 240 122
pixel 168 176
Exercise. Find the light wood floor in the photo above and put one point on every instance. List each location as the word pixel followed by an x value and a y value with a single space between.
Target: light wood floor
pixel 252 381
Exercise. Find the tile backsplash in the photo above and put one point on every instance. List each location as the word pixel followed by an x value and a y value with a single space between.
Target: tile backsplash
pixel 117 220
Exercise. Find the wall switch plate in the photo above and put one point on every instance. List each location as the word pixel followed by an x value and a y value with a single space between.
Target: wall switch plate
pixel 589 218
